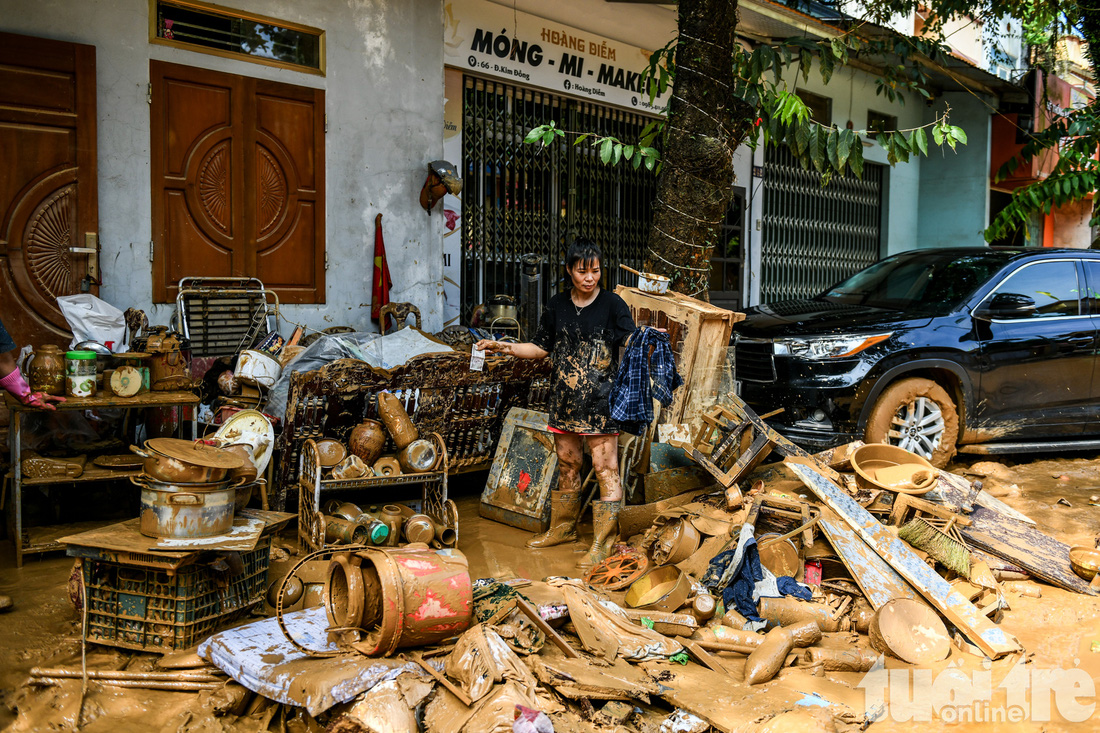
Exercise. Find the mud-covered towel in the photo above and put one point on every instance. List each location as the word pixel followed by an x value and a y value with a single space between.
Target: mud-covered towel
pixel 642 377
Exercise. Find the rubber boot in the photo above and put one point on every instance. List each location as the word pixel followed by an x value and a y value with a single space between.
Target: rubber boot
pixel 605 530
pixel 564 508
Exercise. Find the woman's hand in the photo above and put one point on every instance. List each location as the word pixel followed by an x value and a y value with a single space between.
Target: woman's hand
pixel 41 400
pixel 496 347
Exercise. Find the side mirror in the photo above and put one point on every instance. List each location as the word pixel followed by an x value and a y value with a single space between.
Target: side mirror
pixel 1007 305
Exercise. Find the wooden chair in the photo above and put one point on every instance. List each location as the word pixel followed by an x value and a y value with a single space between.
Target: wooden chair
pixel 400 313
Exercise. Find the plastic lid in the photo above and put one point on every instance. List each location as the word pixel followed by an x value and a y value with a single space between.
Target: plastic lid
pixel 378 533
pixel 80 354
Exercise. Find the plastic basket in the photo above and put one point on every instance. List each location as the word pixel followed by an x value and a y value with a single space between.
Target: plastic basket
pixel 145 608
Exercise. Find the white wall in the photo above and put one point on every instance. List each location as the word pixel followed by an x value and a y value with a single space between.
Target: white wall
pixel 384 100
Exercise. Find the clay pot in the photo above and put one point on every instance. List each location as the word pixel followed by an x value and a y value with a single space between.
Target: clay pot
pixel 46 370
pixel 351 467
pixel 387 466
pixel 393 518
pixel 366 441
pixel 396 419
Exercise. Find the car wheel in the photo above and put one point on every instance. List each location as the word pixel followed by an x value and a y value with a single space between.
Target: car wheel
pixel 917 415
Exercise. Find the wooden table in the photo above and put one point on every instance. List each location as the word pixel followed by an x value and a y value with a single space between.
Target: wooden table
pixel 45 538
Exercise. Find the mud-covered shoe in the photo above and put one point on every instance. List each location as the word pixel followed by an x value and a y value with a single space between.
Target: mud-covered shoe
pixel 5 603
pixel 564 508
pixel 605 528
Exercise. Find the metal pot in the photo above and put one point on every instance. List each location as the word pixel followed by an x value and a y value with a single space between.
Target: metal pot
pixel 649 282
pixel 172 463
pixel 184 511
pixel 256 367
pixel 502 306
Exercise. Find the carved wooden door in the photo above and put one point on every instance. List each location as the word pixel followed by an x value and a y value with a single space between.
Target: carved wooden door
pixel 48 196
pixel 238 181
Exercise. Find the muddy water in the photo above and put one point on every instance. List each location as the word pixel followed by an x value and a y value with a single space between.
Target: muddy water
pixel 1057 630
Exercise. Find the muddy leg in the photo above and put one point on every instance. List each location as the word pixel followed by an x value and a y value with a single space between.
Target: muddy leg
pixel 565 502
pixel 605 512
pixel 605 461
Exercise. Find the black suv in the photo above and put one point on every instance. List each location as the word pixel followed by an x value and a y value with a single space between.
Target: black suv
pixel 990 350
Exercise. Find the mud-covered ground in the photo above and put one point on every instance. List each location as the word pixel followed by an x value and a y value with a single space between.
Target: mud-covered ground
pixel 1059 630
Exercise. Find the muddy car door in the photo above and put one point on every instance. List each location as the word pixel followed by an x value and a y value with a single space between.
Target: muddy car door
pixel 1036 354
pixel 1091 303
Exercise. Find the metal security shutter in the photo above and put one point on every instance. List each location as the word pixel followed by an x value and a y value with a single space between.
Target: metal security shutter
pixel 815 236
pixel 520 198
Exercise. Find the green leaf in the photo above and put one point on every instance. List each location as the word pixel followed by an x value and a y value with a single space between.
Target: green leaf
pixel 535 134
pixel 616 153
pixel 844 148
pixel 548 138
pixel 959 134
pixel 628 152
pixel 937 135
pixel 855 159
pixel 921 139
pixel 581 138
pixel 805 62
pixel 605 150
pixel 637 161
pixel 650 162
pixel 832 136
pixel 802 135
pixel 817 152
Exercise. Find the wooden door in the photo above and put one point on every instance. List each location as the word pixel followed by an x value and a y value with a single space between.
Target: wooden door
pixel 48 197
pixel 238 181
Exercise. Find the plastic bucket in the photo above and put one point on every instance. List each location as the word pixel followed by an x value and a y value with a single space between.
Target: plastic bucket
pixel 398 597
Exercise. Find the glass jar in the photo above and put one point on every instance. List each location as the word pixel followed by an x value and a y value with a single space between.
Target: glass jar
pixel 46 370
pixel 80 373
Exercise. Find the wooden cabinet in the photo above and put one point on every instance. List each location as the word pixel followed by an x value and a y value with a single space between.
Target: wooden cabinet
pixel 29 540
pixel 699 334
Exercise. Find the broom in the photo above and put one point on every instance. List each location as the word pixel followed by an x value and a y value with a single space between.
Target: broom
pixel 941 542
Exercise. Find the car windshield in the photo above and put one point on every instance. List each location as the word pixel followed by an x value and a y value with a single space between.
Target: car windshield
pixel 925 282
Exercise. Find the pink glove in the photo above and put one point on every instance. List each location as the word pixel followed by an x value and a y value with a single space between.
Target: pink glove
pixel 20 390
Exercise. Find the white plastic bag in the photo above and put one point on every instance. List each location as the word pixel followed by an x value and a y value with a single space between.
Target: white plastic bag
pixel 93 319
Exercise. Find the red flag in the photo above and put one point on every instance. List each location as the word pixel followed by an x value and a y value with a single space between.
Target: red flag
pixel 380 289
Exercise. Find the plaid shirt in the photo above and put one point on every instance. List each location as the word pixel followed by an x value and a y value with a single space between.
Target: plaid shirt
pixel 642 377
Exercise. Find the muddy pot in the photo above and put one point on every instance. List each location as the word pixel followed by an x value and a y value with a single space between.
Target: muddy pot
pixel 664 589
pixel 182 511
pixel 256 367
pixel 418 456
pixel 366 441
pixel 183 462
pixel 409 597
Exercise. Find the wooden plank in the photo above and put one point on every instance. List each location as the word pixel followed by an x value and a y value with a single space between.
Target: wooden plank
pixel 872 574
pixel 1021 544
pixel 993 641
pixel 954 490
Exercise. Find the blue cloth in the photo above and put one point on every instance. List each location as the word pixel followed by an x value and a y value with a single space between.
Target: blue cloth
pixel 642 377
pixel 788 586
pixel 6 341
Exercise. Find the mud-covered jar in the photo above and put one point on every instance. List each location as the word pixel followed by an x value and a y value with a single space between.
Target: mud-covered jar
pixel 46 370
pixel 80 373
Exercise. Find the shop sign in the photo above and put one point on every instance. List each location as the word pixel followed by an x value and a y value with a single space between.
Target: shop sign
pixel 493 40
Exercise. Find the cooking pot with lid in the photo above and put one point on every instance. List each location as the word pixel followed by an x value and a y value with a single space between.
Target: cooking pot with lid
pixel 181 461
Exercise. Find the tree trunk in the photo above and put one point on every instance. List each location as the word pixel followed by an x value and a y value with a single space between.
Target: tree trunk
pixel 705 125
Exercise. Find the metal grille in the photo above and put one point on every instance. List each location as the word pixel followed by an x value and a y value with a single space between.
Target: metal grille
pixel 519 199
pixel 815 236
pixel 755 360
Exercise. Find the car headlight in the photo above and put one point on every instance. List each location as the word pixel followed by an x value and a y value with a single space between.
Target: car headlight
pixel 827 347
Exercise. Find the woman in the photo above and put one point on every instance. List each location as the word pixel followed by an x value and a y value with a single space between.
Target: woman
pixel 583 330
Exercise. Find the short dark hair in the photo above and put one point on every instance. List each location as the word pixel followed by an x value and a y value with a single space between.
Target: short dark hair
pixel 582 250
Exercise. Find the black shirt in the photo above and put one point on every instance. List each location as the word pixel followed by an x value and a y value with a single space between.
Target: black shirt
pixel 584 351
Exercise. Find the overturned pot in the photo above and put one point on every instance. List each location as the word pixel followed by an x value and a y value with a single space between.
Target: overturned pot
pixel 409 596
